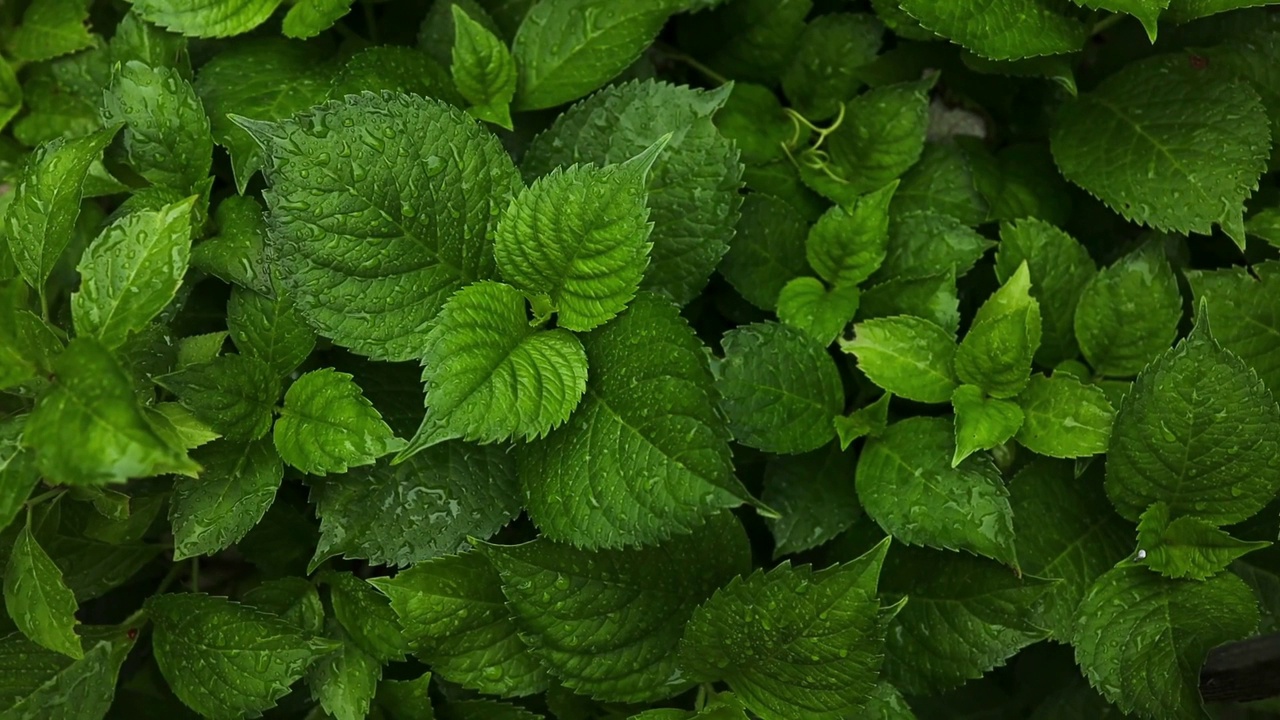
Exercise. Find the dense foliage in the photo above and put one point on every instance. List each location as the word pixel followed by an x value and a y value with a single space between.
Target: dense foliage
pixel 781 359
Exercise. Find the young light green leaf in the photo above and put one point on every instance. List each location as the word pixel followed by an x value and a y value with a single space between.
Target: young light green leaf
pixel 1181 174
pixel 927 244
pixel 647 451
pixel 906 483
pixel 308 18
pixel 997 351
pixel 237 253
pixel 557 35
pixel 269 329
pixel 944 181
pixel 1129 312
pixel 768 251
pixel 439 29
pixel 1186 547
pixel 608 624
pixel 1142 638
pixel 932 297
pixel 91 407
pixel 790 642
pixel 80 690
pixel 822 314
pixel 483 70
pixel 327 425
pixel 41 218
pixel 233 394
pixel 344 682
pixel 424 507
pixel 208 19
pixel 1064 417
pixel 166 136
pixel 1003 30
pixel 131 272
pixel 338 277
pixel 179 426
pixel 200 349
pixel 50 28
pixel 780 389
pixel 40 603
pixel 693 186
pixel 1061 270
pixel 823 72
pixel 367 617
pixel 847 244
pixel 1251 329
pixel 456 619
pixel 907 356
pixel 1197 432
pixel 982 422
pixel 867 421
pixel 254 656
pixel 491 376
pixel 814 495
pixel 233 492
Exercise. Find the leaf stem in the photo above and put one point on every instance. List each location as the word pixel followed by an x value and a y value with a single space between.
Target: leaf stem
pixel 371 21
pixel 32 502
pixel 195 574
pixel 1106 23
pixel 175 571
pixel 694 63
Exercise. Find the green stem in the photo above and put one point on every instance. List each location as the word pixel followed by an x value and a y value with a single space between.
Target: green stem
pixel 32 502
pixel 1106 23
pixel 693 62
pixel 175 571
pixel 371 21
pixel 195 574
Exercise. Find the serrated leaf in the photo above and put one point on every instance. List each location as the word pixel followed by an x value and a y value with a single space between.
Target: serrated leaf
pixel 928 244
pixel 1129 312
pixel 81 690
pixel 40 603
pixel 269 329
pixel 424 507
pixel 964 616
pixel 1181 173
pixel 344 682
pixel 327 425
pixel 1146 11
pixel 608 624
pixel 1064 417
pixel 906 483
pixel 209 19
pixel 780 389
pixel 1142 638
pixel 367 617
pixel 136 39
pixel 131 272
pixel 1060 270
pixel 907 356
pixel 791 641
pixel 982 422
pixel 1005 30
pixel 455 618
pixel 823 72
pixel 997 351
pixel 425 249
pixel 932 297
pixel 556 34
pixel 1186 547
pixel 91 406
pixel 768 251
pixel 814 495
pixel 233 492
pixel 237 253
pixel 253 655
pixel 50 28
pixel 166 136
pixel 1251 329
pixel 200 349
pixel 693 186
pixel 848 243
pixel 438 31
pixel 646 452
pixel 579 237
pixel 866 421
pixel 492 376
pixel 943 182
pixel 400 70
pixel 483 70
pixel 234 394
pixel 822 314
pixel 406 699
pixel 179 426
pixel 309 18
pixel 292 599
pixel 1197 432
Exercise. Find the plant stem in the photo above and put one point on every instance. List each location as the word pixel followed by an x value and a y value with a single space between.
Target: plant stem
pixel 1106 23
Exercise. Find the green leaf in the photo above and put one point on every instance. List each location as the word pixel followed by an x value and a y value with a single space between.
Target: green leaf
pixel 1142 638
pixel 1060 269
pixel 1066 529
pixel 269 329
pixel 965 615
pixel 327 425
pixel 867 421
pixel 751 40
pixel 823 72
pixel 233 492
pixel 41 219
pixel 200 349
pixel 1186 547
pixel 693 186
pixel 791 642
pixel 1129 312
pixel 927 244
pixel 424 507
pixel 1064 417
pixel 908 356
pixel 483 70
pixel 781 390
pixel 1146 11
pixel 406 699
pixel 136 39
pixel 608 624
pixel 209 19
pixel 237 253
pixel 822 314
pixel 982 422
pixel 579 237
pixel 336 274
pixel 28 344
pixel 40 603
pixel 768 251
pixel 234 394
pixel 942 182
pixel 166 132
pixel 1197 432
pixel 224 659
pixel 131 272
pixel 997 350
pixel 51 28
pixel 906 483
pixel 647 452
pixel 492 376
pixel 91 407
pixel 309 18
pixel 293 599
pixel 814 495
pixel 1002 30
pixel 367 617
pixel 1183 11
pixel 847 244
pixel 564 49
pixel 400 70
pixel 456 619
pixel 932 297
pixel 265 79
pixel 10 93
pixel 1179 174
pixel 438 32
pixel 18 473
pixel 754 119
pixel 344 682
pixel 486 710
pixel 60 690
pixel 1251 329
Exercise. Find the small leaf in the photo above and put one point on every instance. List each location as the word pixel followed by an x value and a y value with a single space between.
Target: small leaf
pixel 51 28
pixel 367 617
pixel 847 245
pixel 997 351
pixel 1186 547
pixel 823 72
pixel 483 70
pixel 1060 270
pixel 269 329
pixel 344 682
pixel 236 253
pixel 944 182
pixel 233 492
pixel 868 421
pixel 234 394
pixel 1129 313
pixel 40 603
pixel 806 304
pixel 308 18
pixel 907 356
pixel 1064 417
pixel 327 425
pixel 166 136
pixel 925 244
pixel 982 422
pixel 1251 329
